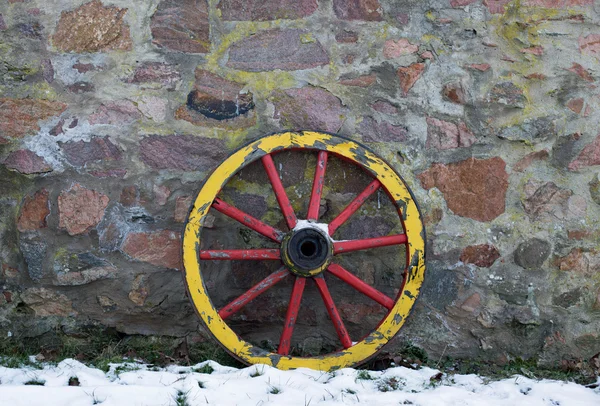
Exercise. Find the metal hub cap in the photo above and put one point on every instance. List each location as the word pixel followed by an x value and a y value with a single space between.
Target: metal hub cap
pixel 306 252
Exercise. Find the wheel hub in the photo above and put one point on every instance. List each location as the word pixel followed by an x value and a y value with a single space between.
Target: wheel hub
pixel 307 251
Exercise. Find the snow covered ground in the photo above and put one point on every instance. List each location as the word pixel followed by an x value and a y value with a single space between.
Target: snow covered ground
pixel 139 384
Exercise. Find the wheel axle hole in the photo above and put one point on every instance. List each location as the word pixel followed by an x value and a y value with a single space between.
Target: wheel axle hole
pixel 308 248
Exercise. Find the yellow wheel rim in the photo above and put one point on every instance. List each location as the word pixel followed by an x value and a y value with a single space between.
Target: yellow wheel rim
pixel 407 209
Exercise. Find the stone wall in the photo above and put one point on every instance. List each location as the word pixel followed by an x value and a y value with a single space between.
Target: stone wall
pixel 113 112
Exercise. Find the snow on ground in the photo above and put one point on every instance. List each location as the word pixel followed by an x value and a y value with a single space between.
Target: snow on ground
pixel 139 384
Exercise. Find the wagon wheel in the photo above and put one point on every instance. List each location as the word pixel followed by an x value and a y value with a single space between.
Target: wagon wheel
pixel 306 254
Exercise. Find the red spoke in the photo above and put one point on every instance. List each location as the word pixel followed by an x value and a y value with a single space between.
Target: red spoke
pixel 353 206
pixel 291 316
pixel 247 220
pixel 333 312
pixel 282 199
pixel 236 304
pixel 317 190
pixel 270 253
pixel 361 286
pixel 339 247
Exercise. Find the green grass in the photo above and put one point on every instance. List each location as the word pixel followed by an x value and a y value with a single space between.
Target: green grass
pixel 102 346
pixel 390 384
pixel 35 382
pixel 204 369
pixel 181 398
pixel 364 375
pixel 274 390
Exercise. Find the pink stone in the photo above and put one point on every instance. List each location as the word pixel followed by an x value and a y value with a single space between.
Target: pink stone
pixel 445 135
pixel 482 67
pixel 472 303
pixel 365 10
pixel 309 107
pixel 575 105
pixel 496 6
pixel 285 49
pixel 34 212
pixel 461 3
pixel 181 26
pixel 474 188
pixel 537 50
pixel 161 194
pixel 394 49
pixel 385 107
pixel 360 81
pixel 590 45
pixel 581 72
pixel 19 117
pixel 265 10
pixel 119 112
pixel 409 75
pixel 483 255
pixel 27 162
pixel 589 156
pixel 160 248
pixel 80 209
pixel 528 159
pixel 182 208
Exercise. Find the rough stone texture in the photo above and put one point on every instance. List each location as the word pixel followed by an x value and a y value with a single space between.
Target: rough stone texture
pixel 395 49
pixel 118 113
pixel 92 27
pixel 589 156
pixel 409 75
pixel 528 159
pixel 360 81
pixel 181 26
pixel 182 208
pixel 181 152
pixel 590 45
pixel 34 253
pixel 530 131
pixel 45 302
pixel 474 188
pixel 160 248
pixel 289 49
pixel 445 135
pixel 483 255
pixel 260 10
pixel 156 74
pixel 80 153
pixel 34 212
pixel 545 200
pixel 531 254
pixel 308 107
pixel 372 131
pixel 507 94
pixel 27 162
pixel 218 98
pixel 366 10
pixel 19 117
pixel 80 209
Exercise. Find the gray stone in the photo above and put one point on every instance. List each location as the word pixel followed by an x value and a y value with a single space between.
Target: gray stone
pixel 440 287
pixel 530 131
pixel 34 253
pixel 531 254
pixel 564 150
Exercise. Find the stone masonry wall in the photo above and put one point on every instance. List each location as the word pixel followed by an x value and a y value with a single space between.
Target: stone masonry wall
pixel 113 112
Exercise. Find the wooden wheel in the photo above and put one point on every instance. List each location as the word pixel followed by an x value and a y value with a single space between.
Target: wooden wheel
pixel 307 252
